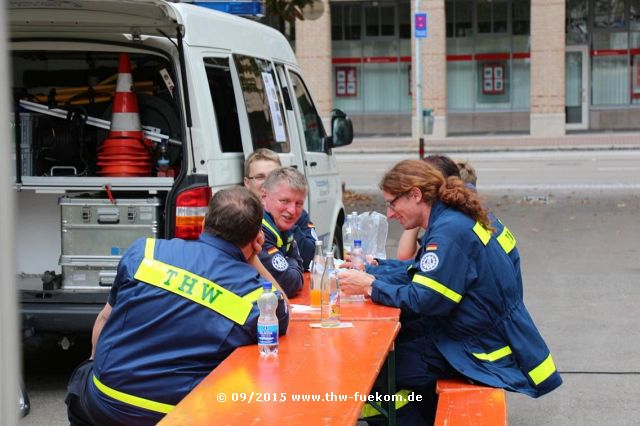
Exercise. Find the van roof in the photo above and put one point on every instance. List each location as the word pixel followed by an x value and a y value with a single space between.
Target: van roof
pixel 203 27
pixel 206 27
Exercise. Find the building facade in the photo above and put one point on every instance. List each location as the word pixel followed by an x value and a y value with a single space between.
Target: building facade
pixel 539 67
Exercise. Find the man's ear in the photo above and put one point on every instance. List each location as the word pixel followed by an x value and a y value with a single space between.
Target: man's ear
pixel 246 182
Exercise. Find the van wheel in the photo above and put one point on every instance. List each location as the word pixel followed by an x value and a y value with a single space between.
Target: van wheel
pixel 337 243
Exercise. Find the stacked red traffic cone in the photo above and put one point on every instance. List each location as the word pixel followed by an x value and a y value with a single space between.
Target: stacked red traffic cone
pixel 125 151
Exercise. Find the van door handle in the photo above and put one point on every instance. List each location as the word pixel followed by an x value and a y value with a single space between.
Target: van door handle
pixel 313 164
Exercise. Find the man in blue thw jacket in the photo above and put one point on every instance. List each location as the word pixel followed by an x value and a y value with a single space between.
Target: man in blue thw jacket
pixel 283 195
pixel 176 310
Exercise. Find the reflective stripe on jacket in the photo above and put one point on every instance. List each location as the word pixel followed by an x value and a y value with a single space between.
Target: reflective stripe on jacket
pixel 178 309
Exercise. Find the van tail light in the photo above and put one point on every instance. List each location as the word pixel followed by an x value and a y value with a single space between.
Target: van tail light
pixel 191 207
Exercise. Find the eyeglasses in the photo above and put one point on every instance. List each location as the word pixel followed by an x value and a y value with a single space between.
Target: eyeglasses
pixel 257 177
pixel 390 204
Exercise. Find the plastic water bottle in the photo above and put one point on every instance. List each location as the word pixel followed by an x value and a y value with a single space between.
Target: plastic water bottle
pixel 347 235
pixel 355 227
pixel 317 269
pixel 357 256
pixel 330 299
pixel 267 321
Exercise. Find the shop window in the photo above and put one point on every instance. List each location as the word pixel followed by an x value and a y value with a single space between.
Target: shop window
pixel 608 14
pixel 352 22
pixel 610 68
pixel 380 21
pixel 492 16
pixel 521 12
pixel 224 103
pixel 576 17
pixel 490 72
pixel 371 71
pixel 634 15
pixel 404 20
pixel 372 21
pixel 337 26
pixel 345 22
pixel 263 101
pixel 459 15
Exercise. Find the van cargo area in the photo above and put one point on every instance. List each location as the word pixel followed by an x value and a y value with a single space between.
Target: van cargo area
pixel 86 188
pixel 128 115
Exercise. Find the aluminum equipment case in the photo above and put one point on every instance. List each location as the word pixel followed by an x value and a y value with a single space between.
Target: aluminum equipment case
pixel 95 234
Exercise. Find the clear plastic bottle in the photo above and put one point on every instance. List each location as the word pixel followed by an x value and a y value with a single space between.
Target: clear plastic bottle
pixel 317 269
pixel 355 227
pixel 357 256
pixel 347 235
pixel 268 321
pixel 330 299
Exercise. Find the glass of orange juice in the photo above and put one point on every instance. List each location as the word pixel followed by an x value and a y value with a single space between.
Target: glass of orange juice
pixel 315 297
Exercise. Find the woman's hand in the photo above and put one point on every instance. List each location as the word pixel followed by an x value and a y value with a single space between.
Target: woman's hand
pixel 354 282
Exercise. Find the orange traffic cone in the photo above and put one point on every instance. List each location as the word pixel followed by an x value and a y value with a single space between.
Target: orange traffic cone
pixel 125 151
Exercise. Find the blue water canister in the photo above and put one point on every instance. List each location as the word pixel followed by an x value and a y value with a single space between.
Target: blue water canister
pixel 267 321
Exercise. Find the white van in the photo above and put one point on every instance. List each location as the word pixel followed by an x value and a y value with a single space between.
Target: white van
pixel 211 88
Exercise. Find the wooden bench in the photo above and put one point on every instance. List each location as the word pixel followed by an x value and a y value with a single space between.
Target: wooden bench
pixel 463 404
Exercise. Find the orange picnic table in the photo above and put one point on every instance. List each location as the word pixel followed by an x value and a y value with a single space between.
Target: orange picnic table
pixel 349 311
pixel 320 376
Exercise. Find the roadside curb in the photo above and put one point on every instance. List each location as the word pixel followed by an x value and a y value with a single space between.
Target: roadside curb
pixel 484 149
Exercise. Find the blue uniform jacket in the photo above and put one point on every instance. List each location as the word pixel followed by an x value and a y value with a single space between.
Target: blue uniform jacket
pixel 465 286
pixel 281 257
pixel 159 341
pixel 393 270
pixel 304 232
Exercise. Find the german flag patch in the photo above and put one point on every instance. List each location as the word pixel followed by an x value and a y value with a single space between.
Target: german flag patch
pixel 432 246
pixel 310 225
pixel 272 250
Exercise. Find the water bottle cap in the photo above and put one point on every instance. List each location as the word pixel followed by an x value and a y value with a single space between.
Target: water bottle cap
pixel 357 242
pixel 266 285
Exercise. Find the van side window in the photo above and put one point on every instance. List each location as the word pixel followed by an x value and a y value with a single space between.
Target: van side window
pixel 263 101
pixel 314 134
pixel 224 103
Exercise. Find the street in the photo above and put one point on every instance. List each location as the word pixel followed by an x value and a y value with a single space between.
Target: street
pixel 499 171
pixel 575 217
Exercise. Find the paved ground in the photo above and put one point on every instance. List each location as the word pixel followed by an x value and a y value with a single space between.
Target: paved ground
pixel 579 258
pixel 579 261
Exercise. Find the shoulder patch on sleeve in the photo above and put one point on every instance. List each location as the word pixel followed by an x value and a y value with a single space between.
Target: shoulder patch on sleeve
pixel 279 262
pixel 429 262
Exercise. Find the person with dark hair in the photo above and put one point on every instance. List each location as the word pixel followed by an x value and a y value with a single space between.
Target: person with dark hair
pixel 257 167
pixel 463 287
pixel 176 310
pixel 283 195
